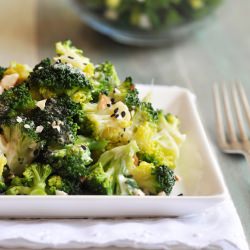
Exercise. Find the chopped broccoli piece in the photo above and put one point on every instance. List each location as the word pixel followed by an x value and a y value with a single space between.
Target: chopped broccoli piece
pixel 19 142
pixel 54 184
pixel 52 80
pixel 67 53
pixel 111 174
pixel 145 112
pixel 91 143
pixel 33 181
pixel 22 70
pixel 67 185
pixel 153 179
pixel 99 180
pixel 15 101
pixel 160 141
pixel 3 162
pixel 104 80
pixel 69 161
pixel 108 121
pixel 127 93
pixel 59 120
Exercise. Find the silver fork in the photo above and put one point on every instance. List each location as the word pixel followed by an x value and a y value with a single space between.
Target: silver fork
pixel 229 140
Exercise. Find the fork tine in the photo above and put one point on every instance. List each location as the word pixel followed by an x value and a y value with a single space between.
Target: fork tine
pixel 244 101
pixel 219 119
pixel 240 122
pixel 229 117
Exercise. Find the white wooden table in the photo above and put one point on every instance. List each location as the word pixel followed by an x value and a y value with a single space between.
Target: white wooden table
pixel 219 52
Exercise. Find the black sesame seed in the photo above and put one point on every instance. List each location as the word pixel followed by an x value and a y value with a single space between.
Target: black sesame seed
pixel 112 115
pixel 116 116
pixel 124 129
pixel 112 100
pixel 71 57
pixel 83 147
pixel 181 194
pixel 116 110
pixel 108 105
pixel 123 113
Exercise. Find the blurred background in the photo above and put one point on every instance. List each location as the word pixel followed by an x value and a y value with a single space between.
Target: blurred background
pixel 193 45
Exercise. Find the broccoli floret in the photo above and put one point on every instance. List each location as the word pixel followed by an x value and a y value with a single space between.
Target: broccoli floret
pixel 54 183
pixel 145 112
pixel 19 142
pixel 33 181
pixel 104 80
pixel 15 101
pixel 68 186
pixel 51 80
pixel 67 53
pixel 99 180
pixel 58 120
pixel 107 121
pixel 69 161
pixel 91 143
pixel 2 70
pixel 153 179
pixel 22 70
pixel 160 141
pixel 3 162
pixel 111 174
pixel 127 93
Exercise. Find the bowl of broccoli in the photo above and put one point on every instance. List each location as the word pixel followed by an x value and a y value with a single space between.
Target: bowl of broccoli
pixel 145 22
pixel 72 127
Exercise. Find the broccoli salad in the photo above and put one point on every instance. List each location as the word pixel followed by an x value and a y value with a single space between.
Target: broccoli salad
pixel 150 14
pixel 69 126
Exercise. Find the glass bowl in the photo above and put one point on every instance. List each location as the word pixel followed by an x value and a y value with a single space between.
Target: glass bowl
pixel 145 22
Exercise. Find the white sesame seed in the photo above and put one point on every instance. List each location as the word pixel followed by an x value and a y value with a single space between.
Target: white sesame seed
pixel 19 119
pixel 41 104
pixel 26 125
pixel 117 91
pixel 39 129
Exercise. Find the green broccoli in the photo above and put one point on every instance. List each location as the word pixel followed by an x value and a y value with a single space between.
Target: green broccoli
pixel 91 143
pixel 69 186
pixel 69 161
pixel 3 162
pixel 159 140
pixel 107 121
pixel 33 181
pixel 19 142
pixel 51 80
pixel 153 179
pixel 58 120
pixel 127 93
pixel 145 112
pixel 69 54
pixel 104 80
pixel 111 174
pixel 16 101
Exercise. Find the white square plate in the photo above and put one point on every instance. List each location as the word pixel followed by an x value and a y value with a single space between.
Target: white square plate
pixel 201 182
